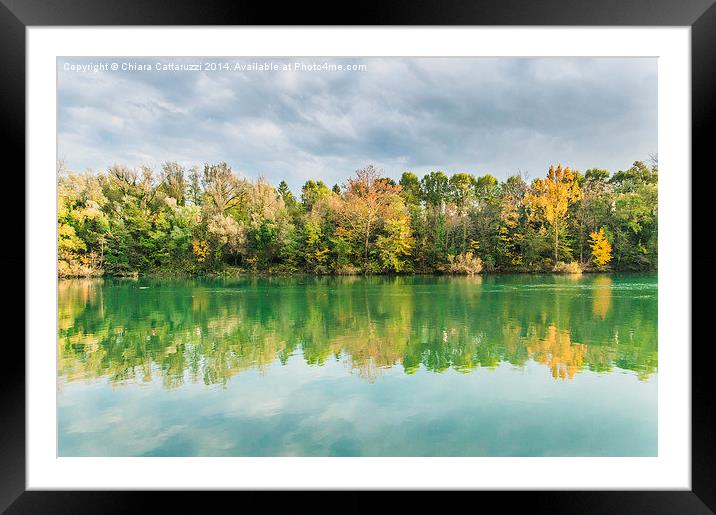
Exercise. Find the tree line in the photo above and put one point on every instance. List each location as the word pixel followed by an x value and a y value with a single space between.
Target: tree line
pixel 207 220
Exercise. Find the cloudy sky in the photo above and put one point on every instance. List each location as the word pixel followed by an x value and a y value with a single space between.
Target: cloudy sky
pixel 480 115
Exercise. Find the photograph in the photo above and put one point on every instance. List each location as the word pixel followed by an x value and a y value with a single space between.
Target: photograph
pixel 279 256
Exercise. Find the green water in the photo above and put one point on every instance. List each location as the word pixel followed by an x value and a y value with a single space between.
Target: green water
pixel 349 366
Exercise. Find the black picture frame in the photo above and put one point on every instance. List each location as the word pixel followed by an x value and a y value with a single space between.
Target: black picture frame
pixel 17 15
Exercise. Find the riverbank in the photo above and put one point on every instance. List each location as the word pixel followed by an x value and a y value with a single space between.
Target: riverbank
pixel 241 272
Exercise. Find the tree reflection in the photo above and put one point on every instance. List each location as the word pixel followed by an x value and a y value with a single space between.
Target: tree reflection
pixel 556 350
pixel 210 330
pixel 602 296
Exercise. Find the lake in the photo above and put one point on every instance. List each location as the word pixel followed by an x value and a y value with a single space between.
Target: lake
pixel 496 365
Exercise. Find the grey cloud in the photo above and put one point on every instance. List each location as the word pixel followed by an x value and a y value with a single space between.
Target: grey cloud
pixel 496 115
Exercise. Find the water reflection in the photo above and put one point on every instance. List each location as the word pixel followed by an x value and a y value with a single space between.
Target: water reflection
pixel 602 295
pixel 210 330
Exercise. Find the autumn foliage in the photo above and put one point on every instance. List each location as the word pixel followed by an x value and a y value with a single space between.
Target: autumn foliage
pixel 601 248
pixel 210 220
pixel 550 198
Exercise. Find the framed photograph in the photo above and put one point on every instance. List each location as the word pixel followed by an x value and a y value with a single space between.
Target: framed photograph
pixel 446 248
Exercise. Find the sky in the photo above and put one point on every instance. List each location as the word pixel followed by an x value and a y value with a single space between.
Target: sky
pixel 296 119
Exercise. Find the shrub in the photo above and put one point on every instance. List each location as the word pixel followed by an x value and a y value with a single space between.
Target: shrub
pixel 347 270
pixel 77 268
pixel 465 264
pixel 567 268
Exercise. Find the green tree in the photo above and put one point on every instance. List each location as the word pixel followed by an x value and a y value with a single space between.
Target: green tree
pixel 172 182
pixel 312 192
pixel 435 189
pixel 410 189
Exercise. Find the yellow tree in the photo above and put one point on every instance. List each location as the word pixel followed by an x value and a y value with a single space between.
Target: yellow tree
pixel 551 197
pixel 601 248
pixel 396 245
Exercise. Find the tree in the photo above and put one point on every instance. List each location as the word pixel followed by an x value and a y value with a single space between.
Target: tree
pixel 486 187
pixel 601 248
pixel 82 225
pixel 222 189
pixel 594 209
pixel 435 189
pixel 195 193
pixel 267 221
pixel 551 198
pixel 395 245
pixel 462 192
pixel 312 192
pixel 227 235
pixel 435 193
pixel 634 223
pixel 172 181
pixel 511 224
pixel 315 243
pixel 638 174
pixel 596 175
pixel 288 199
pixel 485 218
pixel 410 189
pixel 369 199
pixel 186 226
